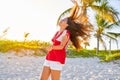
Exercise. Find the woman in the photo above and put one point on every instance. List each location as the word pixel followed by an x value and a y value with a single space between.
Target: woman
pixel 56 53
pixel 55 59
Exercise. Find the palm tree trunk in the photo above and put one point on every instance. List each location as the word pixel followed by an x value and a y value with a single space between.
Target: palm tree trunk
pixel 97 50
pixel 117 44
pixel 110 46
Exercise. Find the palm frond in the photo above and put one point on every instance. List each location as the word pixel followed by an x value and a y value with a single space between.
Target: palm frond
pixel 114 34
pixel 113 25
pixel 113 37
pixel 101 22
pixel 105 24
pixel 110 36
pixel 105 11
pixel 114 11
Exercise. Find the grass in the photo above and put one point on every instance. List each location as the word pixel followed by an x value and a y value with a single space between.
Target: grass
pixel 38 48
pixel 16 46
pixel 102 55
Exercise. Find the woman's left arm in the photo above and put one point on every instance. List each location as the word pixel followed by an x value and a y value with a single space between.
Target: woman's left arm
pixel 63 43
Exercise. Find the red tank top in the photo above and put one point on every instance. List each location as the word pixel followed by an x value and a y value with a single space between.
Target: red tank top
pixel 58 55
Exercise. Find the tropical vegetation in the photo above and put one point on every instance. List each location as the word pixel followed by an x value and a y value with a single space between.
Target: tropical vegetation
pixel 37 48
pixel 106 17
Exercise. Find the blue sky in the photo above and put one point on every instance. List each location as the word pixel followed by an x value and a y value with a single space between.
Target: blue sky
pixel 38 17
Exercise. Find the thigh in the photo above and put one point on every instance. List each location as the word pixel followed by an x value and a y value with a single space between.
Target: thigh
pixel 56 65
pixel 55 74
pixel 45 73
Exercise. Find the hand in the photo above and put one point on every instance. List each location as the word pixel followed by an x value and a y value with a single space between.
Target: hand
pixel 49 48
pixel 74 1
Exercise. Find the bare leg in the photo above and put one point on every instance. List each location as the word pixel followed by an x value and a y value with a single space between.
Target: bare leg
pixel 55 74
pixel 45 73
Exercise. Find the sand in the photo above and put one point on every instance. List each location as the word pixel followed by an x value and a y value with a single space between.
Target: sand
pixel 14 67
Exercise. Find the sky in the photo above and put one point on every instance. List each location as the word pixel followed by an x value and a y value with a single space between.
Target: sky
pixel 37 17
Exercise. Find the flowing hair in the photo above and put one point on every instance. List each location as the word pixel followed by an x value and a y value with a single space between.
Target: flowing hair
pixel 79 27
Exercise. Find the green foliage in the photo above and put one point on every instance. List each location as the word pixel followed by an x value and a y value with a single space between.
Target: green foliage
pixel 86 53
pixel 7 45
pixel 81 53
pixel 112 57
pixel 103 55
pixel 38 47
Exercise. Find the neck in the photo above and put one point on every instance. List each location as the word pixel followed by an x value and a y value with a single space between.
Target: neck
pixel 61 29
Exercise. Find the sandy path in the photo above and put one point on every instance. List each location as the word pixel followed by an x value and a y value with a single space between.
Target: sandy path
pixel 29 68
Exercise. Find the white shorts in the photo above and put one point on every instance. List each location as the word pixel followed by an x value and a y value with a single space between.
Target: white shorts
pixel 53 65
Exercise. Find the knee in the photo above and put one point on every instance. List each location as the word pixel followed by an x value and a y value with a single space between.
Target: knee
pixel 42 78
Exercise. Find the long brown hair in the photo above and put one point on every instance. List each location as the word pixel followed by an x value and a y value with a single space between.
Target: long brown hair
pixel 79 26
pixel 78 33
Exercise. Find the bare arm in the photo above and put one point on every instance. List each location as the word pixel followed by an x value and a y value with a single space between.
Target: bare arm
pixel 63 43
pixel 61 46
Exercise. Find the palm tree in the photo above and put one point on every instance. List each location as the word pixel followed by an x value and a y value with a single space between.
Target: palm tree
pixel 4 33
pixel 25 36
pixel 86 44
pixel 100 32
pixel 115 35
pixel 101 7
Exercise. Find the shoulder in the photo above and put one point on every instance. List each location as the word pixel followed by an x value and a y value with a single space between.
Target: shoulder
pixel 66 33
